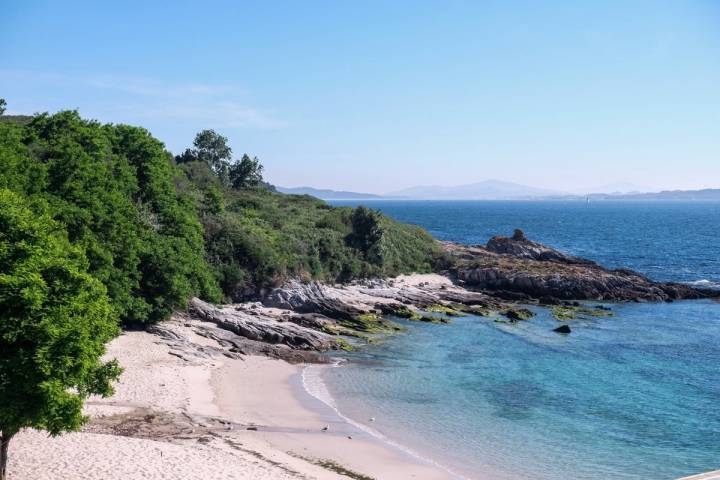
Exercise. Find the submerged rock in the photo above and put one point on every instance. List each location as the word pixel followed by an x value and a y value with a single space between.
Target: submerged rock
pixel 517 314
pixel 562 329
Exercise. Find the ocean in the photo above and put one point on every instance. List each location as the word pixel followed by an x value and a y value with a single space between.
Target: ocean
pixel 633 396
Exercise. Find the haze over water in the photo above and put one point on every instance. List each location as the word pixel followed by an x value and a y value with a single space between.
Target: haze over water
pixel 634 396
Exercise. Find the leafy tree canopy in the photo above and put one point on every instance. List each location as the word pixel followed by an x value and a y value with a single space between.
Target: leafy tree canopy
pixel 212 149
pixel 246 173
pixel 55 319
pixel 113 187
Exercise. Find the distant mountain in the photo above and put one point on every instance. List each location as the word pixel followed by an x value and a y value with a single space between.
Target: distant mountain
pixel 485 190
pixel 325 194
pixel 707 194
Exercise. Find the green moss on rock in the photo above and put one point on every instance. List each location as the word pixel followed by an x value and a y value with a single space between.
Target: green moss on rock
pixel 566 312
pixel 518 314
pixel 371 323
pixel 449 311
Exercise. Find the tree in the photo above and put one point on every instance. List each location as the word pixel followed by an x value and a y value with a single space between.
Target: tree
pixel 212 148
pixel 366 232
pixel 113 189
pixel 245 173
pixel 3 105
pixel 54 322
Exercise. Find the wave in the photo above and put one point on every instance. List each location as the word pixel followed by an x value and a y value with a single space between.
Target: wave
pixel 315 387
pixel 704 283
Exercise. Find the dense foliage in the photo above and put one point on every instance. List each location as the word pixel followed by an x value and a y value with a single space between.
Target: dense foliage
pixel 157 231
pixel 256 238
pixel 112 187
pixel 55 319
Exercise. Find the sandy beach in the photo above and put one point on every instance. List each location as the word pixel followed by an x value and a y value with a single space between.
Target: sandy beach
pixel 176 419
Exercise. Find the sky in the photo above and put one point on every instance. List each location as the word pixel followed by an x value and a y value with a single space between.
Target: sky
pixel 377 96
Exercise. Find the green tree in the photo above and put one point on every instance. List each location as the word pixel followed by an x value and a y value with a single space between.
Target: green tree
pixel 55 320
pixel 3 105
pixel 366 231
pixel 246 173
pixel 113 188
pixel 212 148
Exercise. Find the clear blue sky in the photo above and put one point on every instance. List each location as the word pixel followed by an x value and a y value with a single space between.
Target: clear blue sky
pixel 376 96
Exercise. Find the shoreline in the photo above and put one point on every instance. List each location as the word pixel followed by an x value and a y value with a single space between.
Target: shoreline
pixel 299 429
pixel 219 418
pixel 317 392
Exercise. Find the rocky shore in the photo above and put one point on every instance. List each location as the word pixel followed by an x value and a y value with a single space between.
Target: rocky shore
pixel 300 319
pixel 519 269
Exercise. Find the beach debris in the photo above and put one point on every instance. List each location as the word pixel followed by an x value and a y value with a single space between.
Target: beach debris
pixel 372 419
pixel 253 429
pixel 326 428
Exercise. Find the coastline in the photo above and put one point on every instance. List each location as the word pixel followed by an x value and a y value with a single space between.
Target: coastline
pixel 312 384
pixel 291 419
pixel 170 418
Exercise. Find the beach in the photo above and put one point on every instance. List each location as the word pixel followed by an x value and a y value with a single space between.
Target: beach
pixel 215 418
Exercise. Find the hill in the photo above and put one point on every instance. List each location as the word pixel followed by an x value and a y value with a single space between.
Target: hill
pixel 485 190
pixel 707 194
pixel 326 194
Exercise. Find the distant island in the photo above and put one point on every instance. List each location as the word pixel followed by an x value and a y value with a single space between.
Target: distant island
pixel 485 190
pixel 327 194
pixel 501 190
pixel 706 194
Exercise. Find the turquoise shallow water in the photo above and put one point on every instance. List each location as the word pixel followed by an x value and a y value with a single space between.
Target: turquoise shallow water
pixel 635 396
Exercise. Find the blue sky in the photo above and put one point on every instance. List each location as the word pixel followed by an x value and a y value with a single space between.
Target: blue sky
pixel 378 96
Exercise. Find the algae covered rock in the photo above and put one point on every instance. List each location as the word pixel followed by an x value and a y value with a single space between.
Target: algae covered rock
pixel 518 314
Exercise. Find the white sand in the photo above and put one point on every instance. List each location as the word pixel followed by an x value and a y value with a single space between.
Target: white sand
pixel 255 390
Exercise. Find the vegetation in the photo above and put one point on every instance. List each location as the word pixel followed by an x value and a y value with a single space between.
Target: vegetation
pixel 255 238
pixel 55 319
pixel 3 106
pixel 113 189
pixel 246 173
pixel 157 229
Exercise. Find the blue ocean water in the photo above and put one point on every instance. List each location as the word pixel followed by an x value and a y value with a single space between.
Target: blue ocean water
pixel 634 396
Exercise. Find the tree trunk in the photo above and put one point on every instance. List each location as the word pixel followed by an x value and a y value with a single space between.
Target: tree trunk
pixel 4 444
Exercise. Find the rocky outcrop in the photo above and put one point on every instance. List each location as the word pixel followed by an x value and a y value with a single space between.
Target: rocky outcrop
pixel 519 246
pixel 300 320
pixel 262 326
pixel 518 267
pixel 375 296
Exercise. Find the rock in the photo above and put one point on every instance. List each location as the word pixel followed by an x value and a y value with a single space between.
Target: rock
pixel 517 314
pixel 548 300
pixel 518 269
pixel 263 328
pixel 519 246
pixel 562 329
